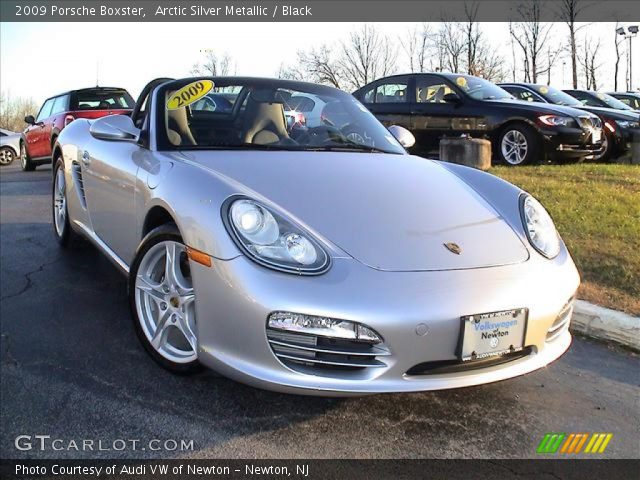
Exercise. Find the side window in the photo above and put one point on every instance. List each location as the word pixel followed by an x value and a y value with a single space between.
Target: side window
pixel 528 96
pixel 45 111
pixel 432 90
pixel 395 92
pixel 625 100
pixel 585 99
pixel 60 105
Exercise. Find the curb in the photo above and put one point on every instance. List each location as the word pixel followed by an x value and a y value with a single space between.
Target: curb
pixel 605 324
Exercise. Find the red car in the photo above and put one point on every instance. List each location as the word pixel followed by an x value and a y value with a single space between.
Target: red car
pixel 58 111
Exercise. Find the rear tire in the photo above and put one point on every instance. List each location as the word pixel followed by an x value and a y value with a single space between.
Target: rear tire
pixel 25 160
pixel 162 301
pixel 7 155
pixel 518 144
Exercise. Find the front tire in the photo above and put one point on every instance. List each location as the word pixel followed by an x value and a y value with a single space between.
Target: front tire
pixel 162 301
pixel 7 155
pixel 605 155
pixel 25 160
pixel 518 144
pixel 61 225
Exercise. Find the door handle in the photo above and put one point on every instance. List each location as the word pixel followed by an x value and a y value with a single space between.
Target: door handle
pixel 86 158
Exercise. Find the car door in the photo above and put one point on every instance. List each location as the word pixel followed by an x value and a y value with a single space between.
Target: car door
pixel 59 106
pixel 440 110
pixel 109 170
pixel 34 133
pixel 389 100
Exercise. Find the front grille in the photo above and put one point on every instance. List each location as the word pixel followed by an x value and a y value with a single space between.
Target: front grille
pixel 456 366
pixel 561 323
pixel 322 353
pixel 590 122
pixel 76 171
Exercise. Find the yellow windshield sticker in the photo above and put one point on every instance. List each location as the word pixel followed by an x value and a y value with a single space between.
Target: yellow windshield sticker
pixel 544 90
pixel 189 94
pixel 461 81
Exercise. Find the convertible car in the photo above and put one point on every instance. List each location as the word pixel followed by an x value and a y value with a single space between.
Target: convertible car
pixel 316 258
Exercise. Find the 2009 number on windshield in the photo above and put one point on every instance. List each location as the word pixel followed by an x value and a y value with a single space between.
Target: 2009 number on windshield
pixel 189 93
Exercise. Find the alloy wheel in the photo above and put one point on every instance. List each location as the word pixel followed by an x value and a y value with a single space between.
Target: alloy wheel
pixel 165 302
pixel 6 156
pixel 59 202
pixel 23 156
pixel 514 147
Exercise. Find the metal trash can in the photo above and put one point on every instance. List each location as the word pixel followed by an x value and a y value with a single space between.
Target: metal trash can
pixel 472 152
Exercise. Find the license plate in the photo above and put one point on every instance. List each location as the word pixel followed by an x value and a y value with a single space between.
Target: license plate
pixel 596 136
pixel 492 334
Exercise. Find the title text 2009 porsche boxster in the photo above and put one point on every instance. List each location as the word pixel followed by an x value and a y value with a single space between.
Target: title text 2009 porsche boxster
pixel 311 255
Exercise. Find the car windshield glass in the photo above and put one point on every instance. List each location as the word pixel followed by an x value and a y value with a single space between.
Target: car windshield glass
pixel 557 97
pixel 101 100
pixel 612 102
pixel 260 114
pixel 481 89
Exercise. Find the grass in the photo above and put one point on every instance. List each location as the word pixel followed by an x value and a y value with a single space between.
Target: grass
pixel 597 211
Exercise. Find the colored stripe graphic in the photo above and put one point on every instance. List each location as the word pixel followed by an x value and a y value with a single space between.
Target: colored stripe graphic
pixel 572 443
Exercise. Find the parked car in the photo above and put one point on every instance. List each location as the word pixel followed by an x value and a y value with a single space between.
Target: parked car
pixel 9 146
pixel 436 105
pixel 619 125
pixel 632 99
pixel 60 110
pixel 598 99
pixel 311 264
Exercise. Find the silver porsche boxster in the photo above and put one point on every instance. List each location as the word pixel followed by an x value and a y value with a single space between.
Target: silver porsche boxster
pixel 311 255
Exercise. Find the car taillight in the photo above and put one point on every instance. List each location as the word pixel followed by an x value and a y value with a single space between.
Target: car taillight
pixel 68 119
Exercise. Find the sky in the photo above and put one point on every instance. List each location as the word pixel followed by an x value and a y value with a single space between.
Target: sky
pixel 39 60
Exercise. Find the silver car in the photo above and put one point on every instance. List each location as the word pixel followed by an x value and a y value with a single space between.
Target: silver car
pixel 9 146
pixel 302 261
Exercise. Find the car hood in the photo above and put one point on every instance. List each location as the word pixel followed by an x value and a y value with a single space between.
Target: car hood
pixel 390 212
pixel 542 108
pixel 613 113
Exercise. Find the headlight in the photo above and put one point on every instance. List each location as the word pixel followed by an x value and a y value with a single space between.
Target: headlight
pixel 556 121
pixel 539 226
pixel 627 124
pixel 272 240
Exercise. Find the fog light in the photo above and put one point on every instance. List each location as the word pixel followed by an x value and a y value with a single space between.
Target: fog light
pixel 322 326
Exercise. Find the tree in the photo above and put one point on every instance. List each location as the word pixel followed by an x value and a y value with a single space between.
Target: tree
pixel 213 65
pixel 416 46
pixel 588 63
pixel 531 35
pixel 365 56
pixel 321 66
pixel 453 46
pixel 13 110
pixel 618 41
pixel 569 11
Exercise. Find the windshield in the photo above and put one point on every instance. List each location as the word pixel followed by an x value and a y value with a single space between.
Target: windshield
pixel 612 102
pixel 557 97
pixel 481 89
pixel 261 114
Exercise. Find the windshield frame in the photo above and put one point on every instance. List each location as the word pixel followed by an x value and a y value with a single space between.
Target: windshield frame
pixel 162 142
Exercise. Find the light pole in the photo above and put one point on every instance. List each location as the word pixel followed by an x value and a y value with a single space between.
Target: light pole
pixel 629 33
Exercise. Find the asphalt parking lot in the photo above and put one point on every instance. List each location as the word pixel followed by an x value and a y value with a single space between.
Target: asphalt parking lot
pixel 72 368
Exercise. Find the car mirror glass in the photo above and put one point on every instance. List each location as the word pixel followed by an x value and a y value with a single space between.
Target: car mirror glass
pixel 115 128
pixel 30 120
pixel 451 98
pixel 404 136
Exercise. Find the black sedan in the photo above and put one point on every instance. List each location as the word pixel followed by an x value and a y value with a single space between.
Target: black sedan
pixel 598 99
pixel 619 125
pixel 436 105
pixel 632 99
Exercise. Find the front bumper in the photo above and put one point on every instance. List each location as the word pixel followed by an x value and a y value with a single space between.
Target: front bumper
pixel 235 298
pixel 570 143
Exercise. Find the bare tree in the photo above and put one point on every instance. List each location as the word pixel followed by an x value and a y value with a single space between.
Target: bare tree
pixel 365 56
pixel 320 65
pixel 481 59
pixel 588 63
pixel 416 46
pixel 552 58
pixel 213 65
pixel 13 110
pixel 531 35
pixel 569 11
pixel 452 42
pixel 618 41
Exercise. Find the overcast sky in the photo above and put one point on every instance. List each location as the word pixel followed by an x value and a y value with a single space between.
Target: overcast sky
pixel 43 59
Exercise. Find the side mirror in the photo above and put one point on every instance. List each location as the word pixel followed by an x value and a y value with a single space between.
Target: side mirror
pixel 404 136
pixel 452 98
pixel 30 120
pixel 116 128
